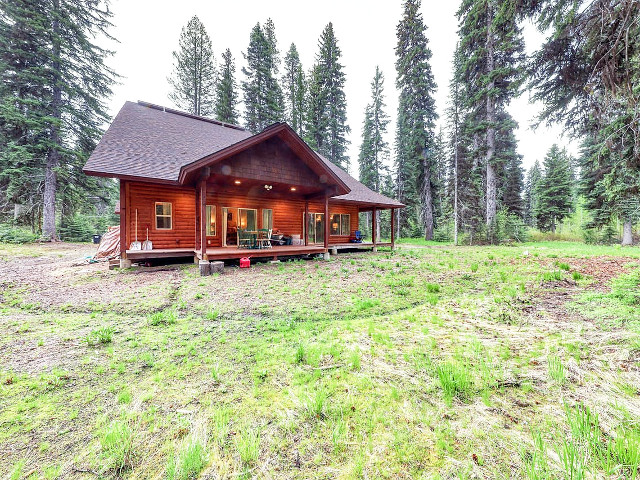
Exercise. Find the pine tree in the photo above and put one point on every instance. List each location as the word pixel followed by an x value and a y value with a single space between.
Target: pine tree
pixel 415 159
pixel 374 149
pixel 55 82
pixel 586 75
pixel 194 74
pixel 263 97
pixel 492 47
pixel 509 165
pixel 326 126
pixel 294 88
pixel 454 114
pixel 534 175
pixel 226 94
pixel 554 190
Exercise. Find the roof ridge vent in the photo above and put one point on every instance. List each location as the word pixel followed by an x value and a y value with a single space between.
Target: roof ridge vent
pixel 189 115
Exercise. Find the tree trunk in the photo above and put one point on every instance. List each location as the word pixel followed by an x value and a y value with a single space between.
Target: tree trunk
pixel 378 225
pixel 53 155
pixel 427 202
pixel 627 232
pixel 491 135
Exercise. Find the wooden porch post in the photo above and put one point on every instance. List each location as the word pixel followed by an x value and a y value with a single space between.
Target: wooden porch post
pixel 202 187
pixel 305 223
pixel 326 221
pixel 393 228
pixel 374 226
pixel 124 208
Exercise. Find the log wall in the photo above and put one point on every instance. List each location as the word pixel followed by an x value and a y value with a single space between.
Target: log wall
pixel 287 213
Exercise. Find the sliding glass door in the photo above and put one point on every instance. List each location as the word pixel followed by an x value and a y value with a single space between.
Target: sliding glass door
pixel 235 218
pixel 315 227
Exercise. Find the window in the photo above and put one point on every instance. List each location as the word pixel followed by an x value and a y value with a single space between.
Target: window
pixel 345 223
pixel 163 215
pixel 267 218
pixel 340 224
pixel 247 219
pixel 211 220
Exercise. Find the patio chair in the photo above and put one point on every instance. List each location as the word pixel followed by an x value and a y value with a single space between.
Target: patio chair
pixel 245 239
pixel 357 238
pixel 264 238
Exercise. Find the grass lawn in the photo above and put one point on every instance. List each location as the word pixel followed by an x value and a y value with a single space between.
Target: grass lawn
pixel 433 361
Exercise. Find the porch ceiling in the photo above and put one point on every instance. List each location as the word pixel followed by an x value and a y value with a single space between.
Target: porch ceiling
pixel 256 188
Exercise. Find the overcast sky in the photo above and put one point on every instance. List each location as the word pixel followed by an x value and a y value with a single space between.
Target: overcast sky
pixel 148 32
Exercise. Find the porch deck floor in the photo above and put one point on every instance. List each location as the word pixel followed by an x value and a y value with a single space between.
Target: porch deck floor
pixel 276 251
pixel 224 253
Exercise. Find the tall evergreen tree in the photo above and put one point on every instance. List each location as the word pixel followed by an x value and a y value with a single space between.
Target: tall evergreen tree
pixel 534 175
pixel 554 190
pixel 492 46
pixel 55 82
pixel 194 74
pixel 263 97
pixel 294 88
pixel 415 159
pixel 453 115
pixel 509 165
pixel 326 126
pixel 586 75
pixel 374 149
pixel 226 94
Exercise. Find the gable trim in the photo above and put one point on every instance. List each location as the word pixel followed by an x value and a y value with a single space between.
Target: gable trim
pixel 281 130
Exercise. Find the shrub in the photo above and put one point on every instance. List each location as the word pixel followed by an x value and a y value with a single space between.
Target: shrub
pixel 626 288
pixel 510 228
pixel 76 229
pixel 11 234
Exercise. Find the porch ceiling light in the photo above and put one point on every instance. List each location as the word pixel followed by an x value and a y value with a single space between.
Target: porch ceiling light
pixel 237 182
pixel 293 189
pixel 268 187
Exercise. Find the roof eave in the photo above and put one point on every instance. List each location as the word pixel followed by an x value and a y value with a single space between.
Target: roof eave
pixel 132 178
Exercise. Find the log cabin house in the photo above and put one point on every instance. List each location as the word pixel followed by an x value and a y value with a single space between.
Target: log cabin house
pixel 190 183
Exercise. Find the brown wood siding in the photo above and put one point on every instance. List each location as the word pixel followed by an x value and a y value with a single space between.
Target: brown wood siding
pixel 271 161
pixel 143 196
pixel 287 213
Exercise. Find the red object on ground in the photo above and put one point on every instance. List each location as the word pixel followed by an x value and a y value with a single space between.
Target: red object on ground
pixel 245 262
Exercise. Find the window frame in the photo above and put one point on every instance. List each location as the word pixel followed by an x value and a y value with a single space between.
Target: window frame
pixel 209 210
pixel 170 216
pixel 342 224
pixel 264 210
pixel 340 217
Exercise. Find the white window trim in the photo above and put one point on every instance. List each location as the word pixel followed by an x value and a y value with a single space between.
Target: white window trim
pixel 170 216
pixel 215 224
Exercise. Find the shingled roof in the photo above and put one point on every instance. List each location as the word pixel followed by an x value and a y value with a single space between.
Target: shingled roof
pixel 151 142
